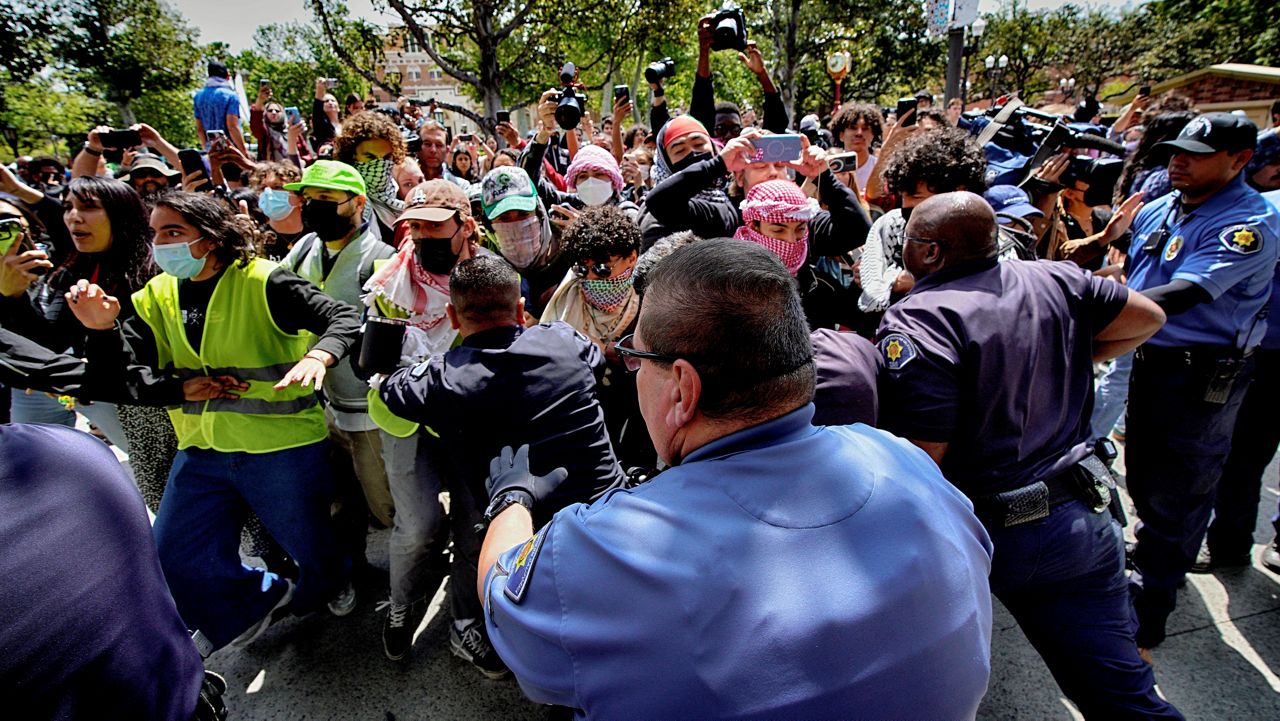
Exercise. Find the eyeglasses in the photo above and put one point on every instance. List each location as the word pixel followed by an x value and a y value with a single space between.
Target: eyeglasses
pixel 727 129
pixel 914 239
pixel 631 356
pixel 602 270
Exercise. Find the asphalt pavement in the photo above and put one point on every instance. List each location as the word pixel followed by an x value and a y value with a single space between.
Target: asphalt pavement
pixel 1220 661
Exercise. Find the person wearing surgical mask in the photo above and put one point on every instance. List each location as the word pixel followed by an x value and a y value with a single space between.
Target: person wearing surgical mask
pixel 372 144
pixel 522 228
pixel 282 208
pixel 597 297
pixel 251 434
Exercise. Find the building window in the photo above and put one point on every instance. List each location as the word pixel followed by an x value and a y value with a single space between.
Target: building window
pixel 414 75
pixel 435 73
pixel 411 43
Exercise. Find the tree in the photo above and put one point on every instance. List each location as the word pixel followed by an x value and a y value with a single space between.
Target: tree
pixel 45 110
pixel 291 55
pixel 27 30
pixel 1032 41
pixel 124 49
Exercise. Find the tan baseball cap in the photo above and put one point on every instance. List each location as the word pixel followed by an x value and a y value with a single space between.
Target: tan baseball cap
pixel 436 201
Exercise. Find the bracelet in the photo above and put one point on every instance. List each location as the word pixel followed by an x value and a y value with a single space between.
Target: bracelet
pixel 90 150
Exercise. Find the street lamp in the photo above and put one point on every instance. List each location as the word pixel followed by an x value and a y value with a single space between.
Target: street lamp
pixel 995 69
pixel 1067 86
pixel 975 34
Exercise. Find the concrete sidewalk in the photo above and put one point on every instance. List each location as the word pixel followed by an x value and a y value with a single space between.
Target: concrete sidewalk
pixel 1220 661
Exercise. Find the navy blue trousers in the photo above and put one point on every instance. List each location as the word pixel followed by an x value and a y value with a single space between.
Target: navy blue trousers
pixel 1176 446
pixel 1062 578
pixel 198 526
pixel 1253 445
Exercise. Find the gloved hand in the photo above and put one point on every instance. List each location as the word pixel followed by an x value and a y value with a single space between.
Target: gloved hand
pixel 510 472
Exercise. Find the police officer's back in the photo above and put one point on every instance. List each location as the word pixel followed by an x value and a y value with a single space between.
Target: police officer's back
pixel 988 366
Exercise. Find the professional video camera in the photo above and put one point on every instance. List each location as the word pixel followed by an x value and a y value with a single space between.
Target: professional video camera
pixel 729 28
pixel 1018 140
pixel 664 68
pixel 569 102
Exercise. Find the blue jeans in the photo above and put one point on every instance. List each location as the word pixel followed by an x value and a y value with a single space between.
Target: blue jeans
pixel 37 407
pixel 1111 397
pixel 197 530
pixel 1062 578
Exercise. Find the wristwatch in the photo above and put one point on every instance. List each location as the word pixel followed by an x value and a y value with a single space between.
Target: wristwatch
pixel 500 503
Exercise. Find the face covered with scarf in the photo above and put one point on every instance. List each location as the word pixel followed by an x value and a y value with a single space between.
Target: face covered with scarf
pixel 776 215
pixel 373 160
pixel 606 284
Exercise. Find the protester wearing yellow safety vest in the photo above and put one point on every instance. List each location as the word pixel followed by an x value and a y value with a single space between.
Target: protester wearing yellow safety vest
pixel 221 340
pixel 438 232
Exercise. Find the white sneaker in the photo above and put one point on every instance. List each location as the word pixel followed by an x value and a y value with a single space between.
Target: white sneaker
pixel 345 602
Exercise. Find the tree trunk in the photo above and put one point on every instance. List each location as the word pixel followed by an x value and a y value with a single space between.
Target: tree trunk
pixel 126 113
pixel 635 86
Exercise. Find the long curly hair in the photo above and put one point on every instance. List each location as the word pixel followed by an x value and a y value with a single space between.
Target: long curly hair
pixel 232 237
pixel 945 160
pixel 366 125
pixel 126 264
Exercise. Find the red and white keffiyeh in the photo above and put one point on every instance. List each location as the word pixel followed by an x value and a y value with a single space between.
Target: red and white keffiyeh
pixel 778 201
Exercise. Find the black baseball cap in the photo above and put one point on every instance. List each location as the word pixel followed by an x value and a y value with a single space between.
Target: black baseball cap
pixel 1211 133
pixel 218 70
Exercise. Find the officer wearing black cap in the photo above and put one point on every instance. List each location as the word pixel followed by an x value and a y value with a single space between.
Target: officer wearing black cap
pixel 1206 254
pixel 988 367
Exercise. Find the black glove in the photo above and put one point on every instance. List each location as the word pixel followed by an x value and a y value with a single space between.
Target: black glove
pixel 510 472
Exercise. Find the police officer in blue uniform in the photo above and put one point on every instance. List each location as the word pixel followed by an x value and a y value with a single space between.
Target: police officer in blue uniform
pixel 1206 253
pixel 776 570
pixel 988 367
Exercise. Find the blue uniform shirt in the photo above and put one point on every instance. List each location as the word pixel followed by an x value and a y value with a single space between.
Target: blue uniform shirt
pixel 783 571
pixel 1227 246
pixel 996 359
pixel 1272 339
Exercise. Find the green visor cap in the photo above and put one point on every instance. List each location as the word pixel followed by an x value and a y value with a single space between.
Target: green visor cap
pixel 330 175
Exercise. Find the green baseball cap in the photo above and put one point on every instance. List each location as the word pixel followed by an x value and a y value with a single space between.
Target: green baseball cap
pixel 507 188
pixel 330 175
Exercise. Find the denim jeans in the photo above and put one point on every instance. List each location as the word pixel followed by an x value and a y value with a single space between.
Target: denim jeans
pixel 105 417
pixel 1062 578
pixel 197 530
pixel 1112 396
pixel 37 407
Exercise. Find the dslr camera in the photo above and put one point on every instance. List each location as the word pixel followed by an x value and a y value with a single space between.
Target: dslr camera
pixel 729 30
pixel 657 71
pixel 569 102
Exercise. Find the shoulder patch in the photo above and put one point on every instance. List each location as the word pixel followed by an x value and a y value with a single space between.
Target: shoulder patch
pixel 518 579
pixel 897 350
pixel 1171 250
pixel 1242 239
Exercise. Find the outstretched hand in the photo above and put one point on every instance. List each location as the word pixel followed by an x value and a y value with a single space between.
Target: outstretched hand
pixel 92 306
pixel 510 472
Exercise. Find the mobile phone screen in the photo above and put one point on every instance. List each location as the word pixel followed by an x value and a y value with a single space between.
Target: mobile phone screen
pixel 777 149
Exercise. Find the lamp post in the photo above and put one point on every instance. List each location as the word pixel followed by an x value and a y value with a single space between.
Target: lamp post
pixel 1067 86
pixel 975 35
pixel 995 69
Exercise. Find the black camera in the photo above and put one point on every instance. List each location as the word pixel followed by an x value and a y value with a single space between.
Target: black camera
pixel 657 71
pixel 729 30
pixel 569 102
pixel 1100 174
pixel 412 141
pixel 421 103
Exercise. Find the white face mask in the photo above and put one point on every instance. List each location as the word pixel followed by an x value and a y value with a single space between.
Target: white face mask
pixel 520 240
pixel 594 191
pixel 644 171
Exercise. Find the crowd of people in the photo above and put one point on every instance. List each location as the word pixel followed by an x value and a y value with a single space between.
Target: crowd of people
pixel 580 369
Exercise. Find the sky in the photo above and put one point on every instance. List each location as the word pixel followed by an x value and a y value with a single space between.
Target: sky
pixel 234 21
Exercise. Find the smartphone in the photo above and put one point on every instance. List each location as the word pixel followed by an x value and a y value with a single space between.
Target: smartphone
pixel 621 91
pixel 330 82
pixel 192 161
pixel 777 148
pixel 217 139
pixel 503 116
pixel 1145 90
pixel 120 139
pixel 293 114
pixel 905 105
pixel 264 83
pixel 10 231
pixel 843 162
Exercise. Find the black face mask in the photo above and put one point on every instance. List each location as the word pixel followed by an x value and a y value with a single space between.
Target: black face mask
pixel 322 218
pixel 689 160
pixel 906 213
pixel 436 255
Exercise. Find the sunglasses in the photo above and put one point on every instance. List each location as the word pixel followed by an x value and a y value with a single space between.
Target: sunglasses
pixel 602 270
pixel 631 356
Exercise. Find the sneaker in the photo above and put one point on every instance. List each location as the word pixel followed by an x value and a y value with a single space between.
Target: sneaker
pixel 1271 558
pixel 397 633
pixel 252 633
pixel 345 602
pixel 472 645
pixel 1206 562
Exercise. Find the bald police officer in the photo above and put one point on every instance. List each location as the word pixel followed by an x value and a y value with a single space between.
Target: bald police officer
pixel 1206 253
pixel 776 570
pixel 989 368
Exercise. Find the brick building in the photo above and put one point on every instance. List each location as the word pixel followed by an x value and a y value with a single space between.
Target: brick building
pixel 422 79
pixel 1227 87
